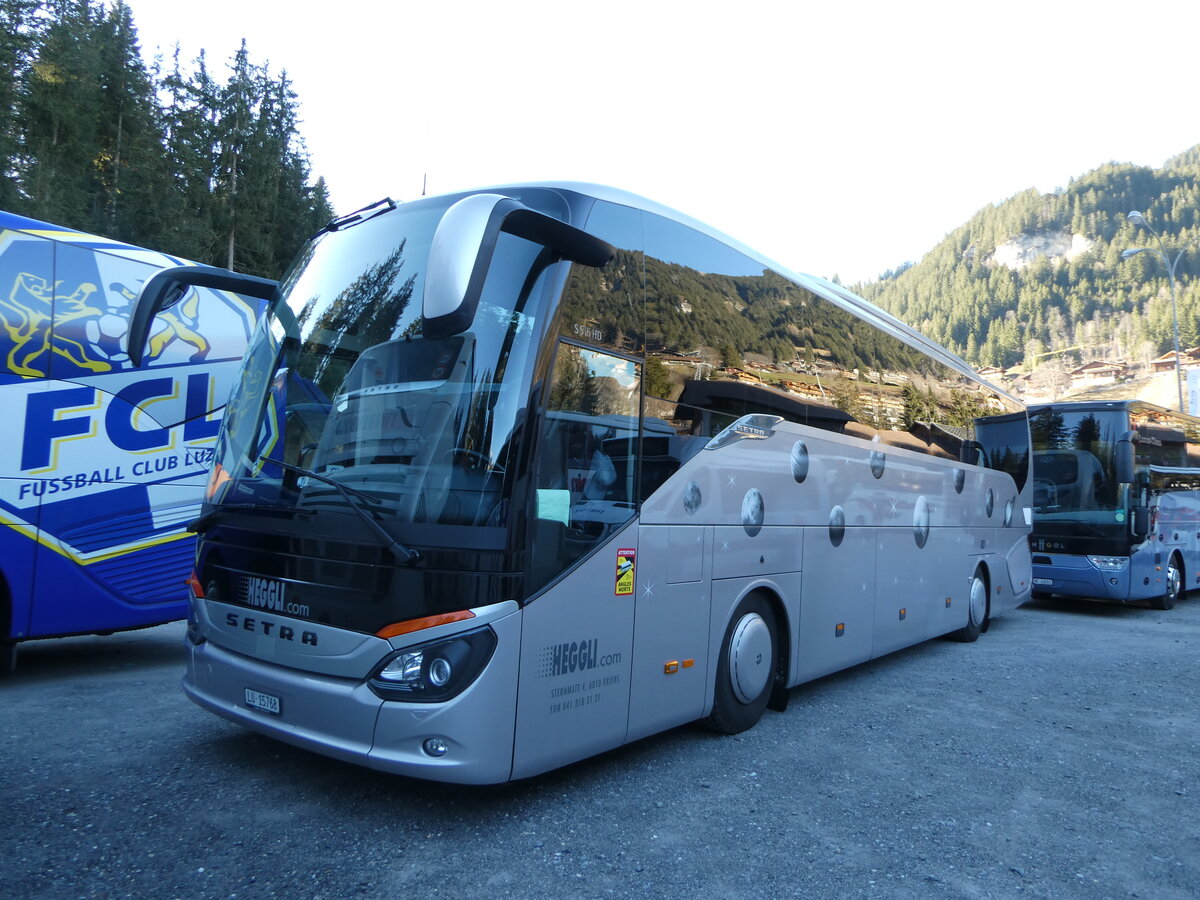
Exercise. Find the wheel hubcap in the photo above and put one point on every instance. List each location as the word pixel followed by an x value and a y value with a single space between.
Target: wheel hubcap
pixel 978 601
pixel 750 662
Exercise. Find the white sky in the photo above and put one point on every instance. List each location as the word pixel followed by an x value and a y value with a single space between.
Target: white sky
pixel 837 137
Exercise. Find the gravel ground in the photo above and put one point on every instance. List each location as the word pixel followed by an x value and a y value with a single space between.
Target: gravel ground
pixel 1054 758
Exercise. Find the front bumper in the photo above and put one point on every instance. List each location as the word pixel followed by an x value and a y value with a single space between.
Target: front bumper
pixel 341 717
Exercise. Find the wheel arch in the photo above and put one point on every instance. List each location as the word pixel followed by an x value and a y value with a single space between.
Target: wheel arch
pixel 783 624
pixel 771 596
pixel 1181 559
pixel 783 631
pixel 985 570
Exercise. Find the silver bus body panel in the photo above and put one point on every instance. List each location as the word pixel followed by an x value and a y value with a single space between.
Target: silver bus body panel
pixel 672 624
pixel 477 725
pixel 853 536
pixel 332 716
pixel 343 718
pixel 576 653
pixel 316 648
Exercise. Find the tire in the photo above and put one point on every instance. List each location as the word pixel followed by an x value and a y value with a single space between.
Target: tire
pixel 977 605
pixel 1174 588
pixel 748 667
pixel 8 657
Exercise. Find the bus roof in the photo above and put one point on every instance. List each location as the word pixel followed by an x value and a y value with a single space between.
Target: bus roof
pixel 12 222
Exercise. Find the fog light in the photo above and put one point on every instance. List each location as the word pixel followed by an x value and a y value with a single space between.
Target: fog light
pixel 435 747
pixel 1112 581
pixel 439 672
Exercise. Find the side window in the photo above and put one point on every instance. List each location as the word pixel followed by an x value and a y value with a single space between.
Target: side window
pixel 605 306
pixel 709 340
pixel 728 337
pixel 586 458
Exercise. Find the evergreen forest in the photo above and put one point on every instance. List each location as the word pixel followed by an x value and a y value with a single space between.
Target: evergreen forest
pixel 171 156
pixel 1041 278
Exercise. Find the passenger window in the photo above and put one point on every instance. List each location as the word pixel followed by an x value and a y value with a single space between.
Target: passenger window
pixel 605 306
pixel 587 457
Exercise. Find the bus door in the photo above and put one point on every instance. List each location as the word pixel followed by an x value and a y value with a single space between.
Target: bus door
pixel 577 632
pixel 26 310
pixel 671 633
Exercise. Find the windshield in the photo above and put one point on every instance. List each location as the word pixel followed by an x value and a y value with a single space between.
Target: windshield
pixel 1075 491
pixel 1004 441
pixel 340 381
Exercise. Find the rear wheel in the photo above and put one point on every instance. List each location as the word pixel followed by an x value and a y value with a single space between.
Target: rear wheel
pixel 8 646
pixel 976 610
pixel 747 668
pixel 1174 586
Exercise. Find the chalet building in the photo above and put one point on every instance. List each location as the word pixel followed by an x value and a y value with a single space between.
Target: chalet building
pixel 802 388
pixel 1188 359
pixel 1100 372
pixel 669 360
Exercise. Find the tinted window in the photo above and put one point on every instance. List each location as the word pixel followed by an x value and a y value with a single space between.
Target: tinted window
pixel 1164 439
pixel 727 338
pixel 605 306
pixel 587 457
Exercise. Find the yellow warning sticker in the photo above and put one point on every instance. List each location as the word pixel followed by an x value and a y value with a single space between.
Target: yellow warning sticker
pixel 626 565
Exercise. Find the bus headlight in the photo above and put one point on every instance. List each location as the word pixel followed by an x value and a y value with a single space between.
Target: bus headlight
pixel 1109 563
pixel 437 671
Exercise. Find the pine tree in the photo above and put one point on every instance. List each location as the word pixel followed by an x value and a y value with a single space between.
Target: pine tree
pixel 61 112
pixel 18 37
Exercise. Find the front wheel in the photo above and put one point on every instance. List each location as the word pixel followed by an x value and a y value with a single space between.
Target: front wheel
pixel 1174 587
pixel 747 668
pixel 976 610
pixel 8 657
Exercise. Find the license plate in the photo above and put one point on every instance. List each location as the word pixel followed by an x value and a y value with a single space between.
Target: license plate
pixel 265 702
pixel 1046 582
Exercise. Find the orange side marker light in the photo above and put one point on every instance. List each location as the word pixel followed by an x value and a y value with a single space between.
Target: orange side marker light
pixel 411 625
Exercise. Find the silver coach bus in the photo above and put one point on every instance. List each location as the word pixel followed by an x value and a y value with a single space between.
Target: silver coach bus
pixel 517 476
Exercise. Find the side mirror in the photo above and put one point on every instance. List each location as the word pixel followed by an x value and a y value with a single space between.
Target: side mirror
pixel 463 246
pixel 167 287
pixel 1123 459
pixel 1141 521
pixel 970 452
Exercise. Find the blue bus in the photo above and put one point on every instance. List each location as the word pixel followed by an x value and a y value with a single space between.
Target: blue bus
pixel 1116 502
pixel 107 462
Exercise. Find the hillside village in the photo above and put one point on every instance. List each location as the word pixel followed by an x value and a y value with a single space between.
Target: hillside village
pixel 1153 381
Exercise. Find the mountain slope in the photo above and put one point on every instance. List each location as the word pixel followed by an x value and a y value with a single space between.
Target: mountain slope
pixel 1040 276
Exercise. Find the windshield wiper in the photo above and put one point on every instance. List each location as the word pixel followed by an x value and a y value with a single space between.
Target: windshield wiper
pixel 378 208
pixel 407 555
